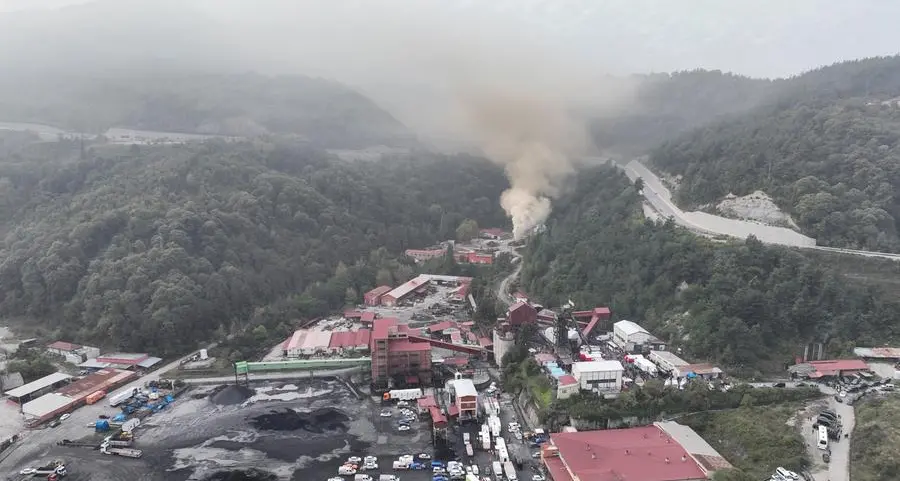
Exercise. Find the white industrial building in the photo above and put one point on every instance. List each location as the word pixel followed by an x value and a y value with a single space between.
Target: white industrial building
pixel 666 361
pixel 601 376
pixel 629 335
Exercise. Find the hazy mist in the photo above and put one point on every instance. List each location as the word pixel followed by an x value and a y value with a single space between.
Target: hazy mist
pixel 504 74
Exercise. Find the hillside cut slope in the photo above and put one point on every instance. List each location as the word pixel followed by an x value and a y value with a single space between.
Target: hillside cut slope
pixel 825 146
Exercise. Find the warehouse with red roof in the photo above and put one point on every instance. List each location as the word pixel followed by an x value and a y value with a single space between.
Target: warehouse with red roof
pixel 661 452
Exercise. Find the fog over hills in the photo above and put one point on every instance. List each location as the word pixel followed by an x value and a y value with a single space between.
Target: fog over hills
pixel 397 50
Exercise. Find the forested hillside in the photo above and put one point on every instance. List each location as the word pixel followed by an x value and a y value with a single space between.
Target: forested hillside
pixel 157 248
pixel 666 105
pixel 825 147
pixel 741 304
pixel 322 111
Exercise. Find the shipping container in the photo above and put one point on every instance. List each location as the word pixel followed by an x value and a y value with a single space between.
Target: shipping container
pixel 95 396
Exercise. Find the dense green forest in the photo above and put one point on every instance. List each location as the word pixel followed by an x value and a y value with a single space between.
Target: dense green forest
pixel 825 145
pixel 874 452
pixel 321 111
pixel 738 303
pixel 158 248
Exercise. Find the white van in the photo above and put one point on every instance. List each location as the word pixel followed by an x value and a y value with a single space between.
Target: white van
pixel 346 470
pixel 362 477
pixel 787 474
pixel 823 438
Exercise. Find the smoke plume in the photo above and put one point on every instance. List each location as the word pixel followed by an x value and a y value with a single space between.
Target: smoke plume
pixel 534 139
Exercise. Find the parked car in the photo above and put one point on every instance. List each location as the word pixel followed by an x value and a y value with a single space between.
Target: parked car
pixel 386 414
pixel 424 456
pixel 65 416
pixel 403 427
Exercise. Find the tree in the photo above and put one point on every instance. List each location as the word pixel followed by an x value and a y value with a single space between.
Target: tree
pixel 467 230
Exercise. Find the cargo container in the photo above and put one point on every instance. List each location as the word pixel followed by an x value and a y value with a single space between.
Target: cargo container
pixel 95 396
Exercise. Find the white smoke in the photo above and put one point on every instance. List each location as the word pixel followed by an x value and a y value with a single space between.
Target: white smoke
pixel 534 138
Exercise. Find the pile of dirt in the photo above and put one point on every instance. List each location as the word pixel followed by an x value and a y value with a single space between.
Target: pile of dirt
pixel 318 421
pixel 243 475
pixel 230 394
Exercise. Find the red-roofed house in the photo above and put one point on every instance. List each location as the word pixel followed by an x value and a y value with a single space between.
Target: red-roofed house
pixel 476 258
pixel 566 386
pixel 367 317
pixel 373 297
pixel 636 454
pixel 840 367
pixel 442 326
pixel 438 420
pixel 61 348
pixel 349 340
pixel 521 313
pixel 393 354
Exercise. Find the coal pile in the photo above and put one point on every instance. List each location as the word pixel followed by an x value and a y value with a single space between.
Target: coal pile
pixel 230 394
pixel 318 421
pixel 243 475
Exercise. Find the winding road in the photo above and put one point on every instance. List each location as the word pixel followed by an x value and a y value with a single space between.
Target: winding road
pixel 659 197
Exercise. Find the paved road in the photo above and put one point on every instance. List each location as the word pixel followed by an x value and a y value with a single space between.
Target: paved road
pixel 659 197
pixel 503 289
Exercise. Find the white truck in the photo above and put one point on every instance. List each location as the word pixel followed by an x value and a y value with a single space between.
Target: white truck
pixel 400 465
pixel 388 477
pixel 497 469
pixel 510 471
pixel 126 452
pixel 362 477
pixel 404 394
pixel 469 450
pixel 121 396
pixel 486 441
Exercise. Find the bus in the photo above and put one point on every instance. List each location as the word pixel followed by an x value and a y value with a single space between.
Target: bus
pixel 823 437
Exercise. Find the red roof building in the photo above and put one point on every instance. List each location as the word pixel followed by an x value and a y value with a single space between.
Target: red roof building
pixel 367 317
pixel 840 367
pixel 521 313
pixel 399 293
pixel 393 354
pixel 595 316
pixel 476 258
pixel 350 340
pixel 373 297
pixel 437 418
pixel 62 347
pixel 636 454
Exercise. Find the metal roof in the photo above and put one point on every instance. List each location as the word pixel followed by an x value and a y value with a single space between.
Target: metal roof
pixel 37 385
pixel 46 404
pixel 94 364
pixel 149 362
pixel 630 328
pixel 597 366
pixel 407 287
pixel 464 387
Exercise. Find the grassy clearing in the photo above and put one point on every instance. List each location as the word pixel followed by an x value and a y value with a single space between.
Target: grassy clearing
pixel 756 440
pixel 875 446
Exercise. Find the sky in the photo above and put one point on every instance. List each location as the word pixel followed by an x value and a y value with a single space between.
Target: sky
pixel 751 37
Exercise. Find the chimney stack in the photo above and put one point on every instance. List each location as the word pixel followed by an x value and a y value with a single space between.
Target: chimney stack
pixel 683 458
pixel 667 460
